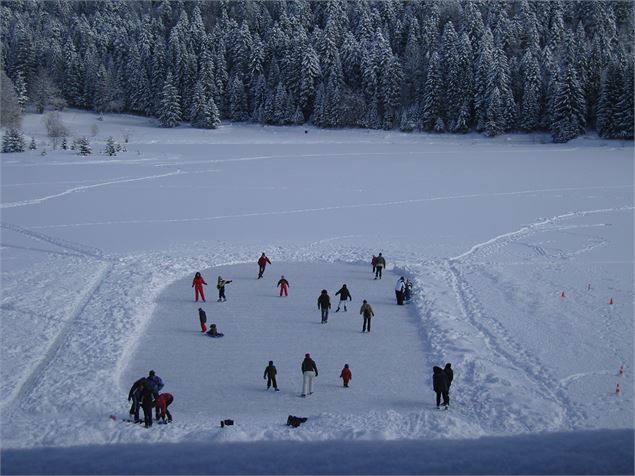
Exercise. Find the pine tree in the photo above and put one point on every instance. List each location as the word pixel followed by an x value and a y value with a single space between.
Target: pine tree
pixel 610 92
pixel 309 75
pixel 237 100
pixel 12 141
pixel 20 90
pixel 624 111
pixel 529 114
pixel 494 125
pixel 197 111
pixel 569 113
pixel 432 109
pixel 110 147
pixel 169 110
pixel 83 146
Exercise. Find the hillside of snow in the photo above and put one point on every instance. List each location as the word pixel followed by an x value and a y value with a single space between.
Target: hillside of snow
pixel 515 246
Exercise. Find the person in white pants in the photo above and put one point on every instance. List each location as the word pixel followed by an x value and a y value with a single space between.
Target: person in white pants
pixel 309 371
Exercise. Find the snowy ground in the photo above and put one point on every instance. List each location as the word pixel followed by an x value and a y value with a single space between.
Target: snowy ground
pixel 98 254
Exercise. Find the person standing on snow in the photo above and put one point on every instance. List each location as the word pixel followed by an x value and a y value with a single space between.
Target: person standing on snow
pixel 262 264
pixel 324 304
pixel 449 373
pixel 400 288
pixel 156 381
pixel 147 396
pixel 270 376
pixel 134 396
pixel 367 312
pixel 197 284
pixel 162 403
pixel 202 317
pixel 309 371
pixel 373 262
pixel 346 375
pixel 380 264
pixel 283 284
pixel 220 285
pixel 344 294
pixel 440 386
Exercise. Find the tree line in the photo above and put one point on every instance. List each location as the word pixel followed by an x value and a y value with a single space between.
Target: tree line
pixel 432 65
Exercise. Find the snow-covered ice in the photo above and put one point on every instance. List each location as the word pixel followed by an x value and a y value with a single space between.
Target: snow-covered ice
pixel 98 254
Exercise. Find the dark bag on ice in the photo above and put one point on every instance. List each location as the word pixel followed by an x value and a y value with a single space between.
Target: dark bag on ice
pixel 295 421
pixel 224 423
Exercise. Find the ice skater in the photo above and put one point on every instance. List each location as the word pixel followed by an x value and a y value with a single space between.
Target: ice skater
pixel 346 375
pixel 283 284
pixel 197 284
pixel 309 372
pixel 270 376
pixel 345 295
pixel 324 304
pixel 220 285
pixel 262 264
pixel 366 312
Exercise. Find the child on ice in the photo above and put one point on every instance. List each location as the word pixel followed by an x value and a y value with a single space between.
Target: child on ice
pixel 346 375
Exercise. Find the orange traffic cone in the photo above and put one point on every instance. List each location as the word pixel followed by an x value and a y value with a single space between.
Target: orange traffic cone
pixel 617 390
pixel 621 372
pixel 611 301
pixel 562 295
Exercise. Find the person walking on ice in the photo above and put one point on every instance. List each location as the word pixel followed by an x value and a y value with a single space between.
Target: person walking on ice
pixel 220 285
pixel 440 386
pixel 309 371
pixel 270 376
pixel 324 304
pixel 262 264
pixel 400 288
pixel 283 284
pixel 346 375
pixel 202 317
pixel 367 312
pixel 373 263
pixel 344 294
pixel 197 284
pixel 380 264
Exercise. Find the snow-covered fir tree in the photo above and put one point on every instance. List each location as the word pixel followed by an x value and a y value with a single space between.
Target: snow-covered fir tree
pixel 118 56
pixel 110 148
pixel 13 141
pixel 82 145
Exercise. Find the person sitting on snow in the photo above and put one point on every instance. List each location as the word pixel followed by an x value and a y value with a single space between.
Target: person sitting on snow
pixel 213 332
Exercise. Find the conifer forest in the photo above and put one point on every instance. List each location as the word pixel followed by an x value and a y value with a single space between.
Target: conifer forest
pixel 455 66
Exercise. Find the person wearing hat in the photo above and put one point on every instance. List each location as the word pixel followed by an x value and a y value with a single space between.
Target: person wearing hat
pixel 270 376
pixel 283 284
pixel 400 287
pixel 220 285
pixel 197 284
pixel 309 371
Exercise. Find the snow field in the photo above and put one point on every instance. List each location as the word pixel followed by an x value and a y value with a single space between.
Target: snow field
pixel 107 289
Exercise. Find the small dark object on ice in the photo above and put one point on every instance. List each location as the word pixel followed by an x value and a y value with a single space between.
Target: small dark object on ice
pixel 295 421
pixel 224 423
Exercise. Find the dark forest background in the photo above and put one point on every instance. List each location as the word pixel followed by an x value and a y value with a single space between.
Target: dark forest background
pixel 445 66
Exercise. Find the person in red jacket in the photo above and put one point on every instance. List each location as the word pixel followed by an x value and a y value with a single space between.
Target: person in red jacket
pixel 197 284
pixel 162 403
pixel 262 263
pixel 346 375
pixel 283 284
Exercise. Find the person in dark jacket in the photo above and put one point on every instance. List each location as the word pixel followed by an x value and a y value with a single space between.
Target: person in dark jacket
pixel 283 284
pixel 220 285
pixel 262 264
pixel 197 284
pixel 449 373
pixel 162 403
pixel 400 289
pixel 213 332
pixel 373 263
pixel 202 317
pixel 309 371
pixel 344 294
pixel 380 264
pixel 440 386
pixel 134 396
pixel 324 304
pixel 270 375
pixel 366 312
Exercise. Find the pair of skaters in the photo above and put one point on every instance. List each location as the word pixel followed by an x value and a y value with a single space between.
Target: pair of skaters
pixel 199 281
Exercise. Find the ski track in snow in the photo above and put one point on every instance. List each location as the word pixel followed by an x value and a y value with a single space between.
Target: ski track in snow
pixel 36 201
pixel 346 207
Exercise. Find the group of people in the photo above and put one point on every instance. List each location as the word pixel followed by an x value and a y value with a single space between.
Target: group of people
pixel 146 393
pixel 442 378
